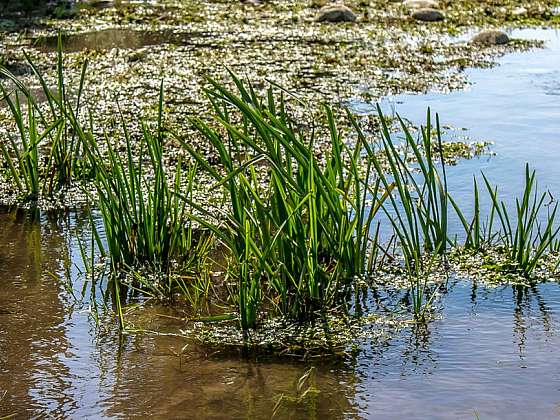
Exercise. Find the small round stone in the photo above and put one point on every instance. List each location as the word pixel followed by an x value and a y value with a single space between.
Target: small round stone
pixel 421 4
pixel 428 15
pixel 491 37
pixel 336 13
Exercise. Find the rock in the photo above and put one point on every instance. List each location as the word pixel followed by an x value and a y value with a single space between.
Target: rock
pixel 421 4
pixel 427 15
pixel 491 37
pixel 336 13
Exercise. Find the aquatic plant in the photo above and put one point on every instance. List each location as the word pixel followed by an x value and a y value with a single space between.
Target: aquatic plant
pixel 22 160
pixel 300 226
pixel 143 216
pixel 152 245
pixel 523 234
pixel 418 210
pixel 46 154
pixel 305 233
pixel 421 295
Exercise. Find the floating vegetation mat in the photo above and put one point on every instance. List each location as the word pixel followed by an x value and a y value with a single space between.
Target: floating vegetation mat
pixel 131 47
pixel 491 267
pixel 332 336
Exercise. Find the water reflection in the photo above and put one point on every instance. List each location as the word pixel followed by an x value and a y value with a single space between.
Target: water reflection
pixel 118 38
pixel 490 349
pixel 53 362
pixel 487 349
pixel 33 343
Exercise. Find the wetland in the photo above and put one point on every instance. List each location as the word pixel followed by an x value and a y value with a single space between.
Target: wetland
pixel 237 209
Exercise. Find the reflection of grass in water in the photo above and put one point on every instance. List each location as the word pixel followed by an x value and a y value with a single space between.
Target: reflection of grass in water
pixel 306 395
pixel 9 416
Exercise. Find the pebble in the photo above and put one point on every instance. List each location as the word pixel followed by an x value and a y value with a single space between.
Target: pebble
pixel 491 37
pixel 427 15
pixel 421 4
pixel 336 13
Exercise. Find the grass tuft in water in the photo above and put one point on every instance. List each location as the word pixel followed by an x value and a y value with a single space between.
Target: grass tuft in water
pixel 46 153
pixel 146 229
pixel 524 235
pixel 418 210
pixel 299 238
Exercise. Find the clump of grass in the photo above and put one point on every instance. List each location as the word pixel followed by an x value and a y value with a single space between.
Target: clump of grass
pixel 300 238
pixel 22 158
pixel 418 211
pixel 295 243
pixel 46 154
pixel 418 208
pixel 144 217
pixel 524 237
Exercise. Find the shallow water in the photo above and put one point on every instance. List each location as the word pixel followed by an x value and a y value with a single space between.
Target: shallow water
pixel 514 104
pixel 491 353
pixel 116 38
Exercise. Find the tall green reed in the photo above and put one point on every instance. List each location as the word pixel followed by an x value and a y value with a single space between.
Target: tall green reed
pixel 46 154
pixel 526 233
pixel 143 216
pixel 304 233
pixel 418 210
pixel 153 247
pixel 479 232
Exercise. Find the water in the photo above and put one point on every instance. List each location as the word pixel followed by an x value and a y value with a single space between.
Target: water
pixel 52 362
pixel 118 38
pixel 515 105
pixel 492 353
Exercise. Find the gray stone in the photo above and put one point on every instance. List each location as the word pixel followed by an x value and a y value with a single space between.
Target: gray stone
pixel 421 4
pixel 491 37
pixel 427 15
pixel 336 13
